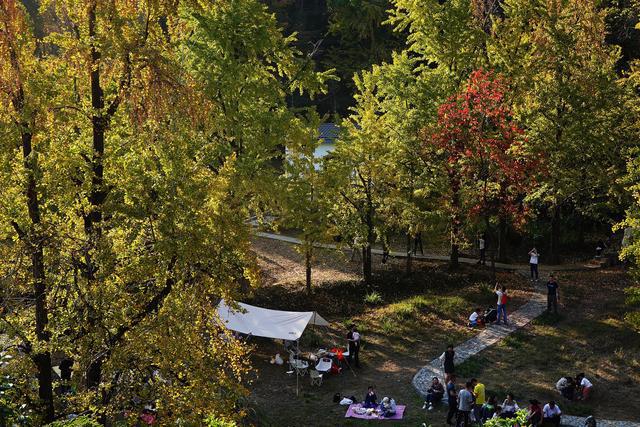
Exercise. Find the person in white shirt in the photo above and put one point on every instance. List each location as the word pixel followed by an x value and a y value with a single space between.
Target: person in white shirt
pixel 501 293
pixel 509 407
pixel 551 413
pixel 481 248
pixel 584 386
pixel 533 263
pixel 476 318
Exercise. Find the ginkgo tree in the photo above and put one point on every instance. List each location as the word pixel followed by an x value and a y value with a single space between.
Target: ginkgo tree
pixel 144 135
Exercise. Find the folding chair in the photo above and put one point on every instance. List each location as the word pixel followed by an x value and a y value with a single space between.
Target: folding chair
pixel 315 377
pixel 300 366
pixel 324 365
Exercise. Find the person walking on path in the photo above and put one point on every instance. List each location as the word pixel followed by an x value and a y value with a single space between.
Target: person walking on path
pixel 501 293
pixel 533 263
pixel 452 398
pixel 553 293
pixel 465 405
pixel 447 362
pixel 481 248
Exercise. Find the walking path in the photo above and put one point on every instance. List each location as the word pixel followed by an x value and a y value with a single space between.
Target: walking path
pixel 433 257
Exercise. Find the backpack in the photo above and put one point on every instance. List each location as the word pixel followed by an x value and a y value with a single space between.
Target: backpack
pixel 503 299
pixel 337 397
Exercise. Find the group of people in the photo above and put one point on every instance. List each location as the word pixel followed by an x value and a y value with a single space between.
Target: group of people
pixel 479 319
pixel 386 407
pixel 578 389
pixel 470 405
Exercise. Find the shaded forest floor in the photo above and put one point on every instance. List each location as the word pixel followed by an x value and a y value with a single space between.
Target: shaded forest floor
pixel 419 316
pixel 416 319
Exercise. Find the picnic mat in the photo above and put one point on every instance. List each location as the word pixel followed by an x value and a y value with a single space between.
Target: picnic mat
pixel 351 413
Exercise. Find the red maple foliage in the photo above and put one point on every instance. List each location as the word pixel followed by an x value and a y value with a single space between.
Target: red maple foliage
pixel 481 147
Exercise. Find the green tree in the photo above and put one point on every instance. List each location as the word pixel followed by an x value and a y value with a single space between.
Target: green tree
pixel 304 206
pixel 154 128
pixel 565 93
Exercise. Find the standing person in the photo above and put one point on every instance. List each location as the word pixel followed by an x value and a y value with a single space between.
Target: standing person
pixel 452 398
pixel 465 405
pixel 447 362
pixel 481 248
pixel 551 413
pixel 533 263
pixel 353 337
pixel 502 303
pixel 553 294
pixel 479 394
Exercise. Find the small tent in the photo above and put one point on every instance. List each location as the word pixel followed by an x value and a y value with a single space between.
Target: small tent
pixel 262 322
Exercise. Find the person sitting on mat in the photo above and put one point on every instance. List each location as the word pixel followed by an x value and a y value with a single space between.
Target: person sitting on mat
pixel 370 400
pixel 387 407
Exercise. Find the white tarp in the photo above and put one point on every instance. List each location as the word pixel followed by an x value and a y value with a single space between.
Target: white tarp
pixel 262 322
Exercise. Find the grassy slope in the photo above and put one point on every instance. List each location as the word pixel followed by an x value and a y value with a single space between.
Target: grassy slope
pixel 412 325
pixel 588 336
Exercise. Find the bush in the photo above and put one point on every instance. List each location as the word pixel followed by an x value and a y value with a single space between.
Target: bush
pixel 373 298
pixel 216 422
pixel 519 420
pixel 83 421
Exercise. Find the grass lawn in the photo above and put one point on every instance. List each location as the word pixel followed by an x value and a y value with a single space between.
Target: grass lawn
pixel 589 335
pixel 413 323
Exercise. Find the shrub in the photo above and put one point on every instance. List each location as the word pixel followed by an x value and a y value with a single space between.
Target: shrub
pixel 519 420
pixel 83 421
pixel 373 298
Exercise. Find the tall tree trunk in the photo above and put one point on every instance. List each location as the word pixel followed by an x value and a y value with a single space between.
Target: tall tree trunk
pixel 554 251
pixel 455 223
pixel 502 240
pixel 42 359
pixel 409 259
pixel 307 262
pixel 366 264
pixel 93 219
pixel 35 244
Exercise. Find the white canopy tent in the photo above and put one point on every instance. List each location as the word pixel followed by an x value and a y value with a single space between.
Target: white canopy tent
pixel 262 322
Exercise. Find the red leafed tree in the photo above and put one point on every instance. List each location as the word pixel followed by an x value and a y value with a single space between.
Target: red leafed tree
pixel 478 145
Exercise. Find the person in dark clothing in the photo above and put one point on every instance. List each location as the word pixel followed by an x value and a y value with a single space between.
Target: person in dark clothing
pixel 417 243
pixel 452 397
pixel 371 400
pixel 447 362
pixel 552 294
pixel 353 337
pixel 65 369
pixel 434 394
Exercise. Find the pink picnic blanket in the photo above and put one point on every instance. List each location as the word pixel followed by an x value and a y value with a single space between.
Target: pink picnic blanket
pixel 351 413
